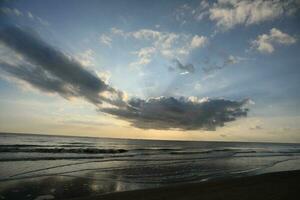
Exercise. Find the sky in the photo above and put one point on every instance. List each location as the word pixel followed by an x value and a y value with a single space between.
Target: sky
pixel 224 70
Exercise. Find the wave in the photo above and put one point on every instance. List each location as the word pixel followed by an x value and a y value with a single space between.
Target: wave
pixel 238 151
pixel 19 149
pixel 51 158
pixel 157 149
pixel 103 169
pixel 19 145
pixel 213 151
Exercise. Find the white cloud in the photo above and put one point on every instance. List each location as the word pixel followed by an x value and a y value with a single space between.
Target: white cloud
pixel 204 4
pixel 86 58
pixel 232 60
pixel 42 21
pixel 166 44
pixel 19 13
pixel 185 12
pixel 117 31
pixel 30 15
pixel 144 55
pixel 229 13
pixel 281 38
pixel 146 34
pixel 198 86
pixel 105 39
pixel 11 11
pixel 104 75
pixel 198 41
pixel 9 56
pixel 265 43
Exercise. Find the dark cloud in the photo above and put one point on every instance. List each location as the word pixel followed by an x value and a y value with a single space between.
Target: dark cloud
pixel 188 68
pixel 227 61
pixel 37 77
pixel 179 113
pixel 50 70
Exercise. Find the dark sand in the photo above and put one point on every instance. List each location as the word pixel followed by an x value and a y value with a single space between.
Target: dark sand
pixel 280 185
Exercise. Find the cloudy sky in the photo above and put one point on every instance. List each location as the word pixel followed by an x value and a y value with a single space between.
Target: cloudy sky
pixel 184 70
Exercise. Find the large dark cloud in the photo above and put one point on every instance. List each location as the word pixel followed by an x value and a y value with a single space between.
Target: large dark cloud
pixel 50 70
pixel 180 113
pixel 38 78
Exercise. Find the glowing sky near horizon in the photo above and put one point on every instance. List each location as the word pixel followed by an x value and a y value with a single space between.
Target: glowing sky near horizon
pixel 183 70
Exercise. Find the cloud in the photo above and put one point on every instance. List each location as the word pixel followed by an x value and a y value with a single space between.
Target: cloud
pixel 18 13
pixel 198 41
pixel 265 43
pixel 166 113
pixel 104 76
pixel 185 12
pixel 231 60
pixel 169 45
pixel 184 69
pixel 39 78
pixel 11 11
pixel 144 56
pixel 105 39
pixel 117 31
pixel 50 70
pixel 86 58
pixel 227 61
pixel 227 14
pixel 30 15
pixel 198 86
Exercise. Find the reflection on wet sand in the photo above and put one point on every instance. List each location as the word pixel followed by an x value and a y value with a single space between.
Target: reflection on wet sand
pixel 60 187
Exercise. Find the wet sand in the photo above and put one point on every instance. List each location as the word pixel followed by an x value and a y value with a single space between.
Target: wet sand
pixel 279 185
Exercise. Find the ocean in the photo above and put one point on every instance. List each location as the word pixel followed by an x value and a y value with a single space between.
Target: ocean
pixel 64 167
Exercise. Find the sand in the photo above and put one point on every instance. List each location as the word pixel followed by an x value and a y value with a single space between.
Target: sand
pixel 279 185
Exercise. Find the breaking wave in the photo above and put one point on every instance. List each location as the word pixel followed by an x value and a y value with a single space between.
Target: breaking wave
pixel 40 149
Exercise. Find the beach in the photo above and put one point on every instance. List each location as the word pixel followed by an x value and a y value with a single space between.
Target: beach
pixel 273 186
pixel 39 167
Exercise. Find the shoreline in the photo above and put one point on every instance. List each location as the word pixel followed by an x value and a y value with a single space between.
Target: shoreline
pixel 143 139
pixel 276 185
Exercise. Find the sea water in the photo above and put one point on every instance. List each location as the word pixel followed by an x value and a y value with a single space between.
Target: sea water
pixel 63 167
